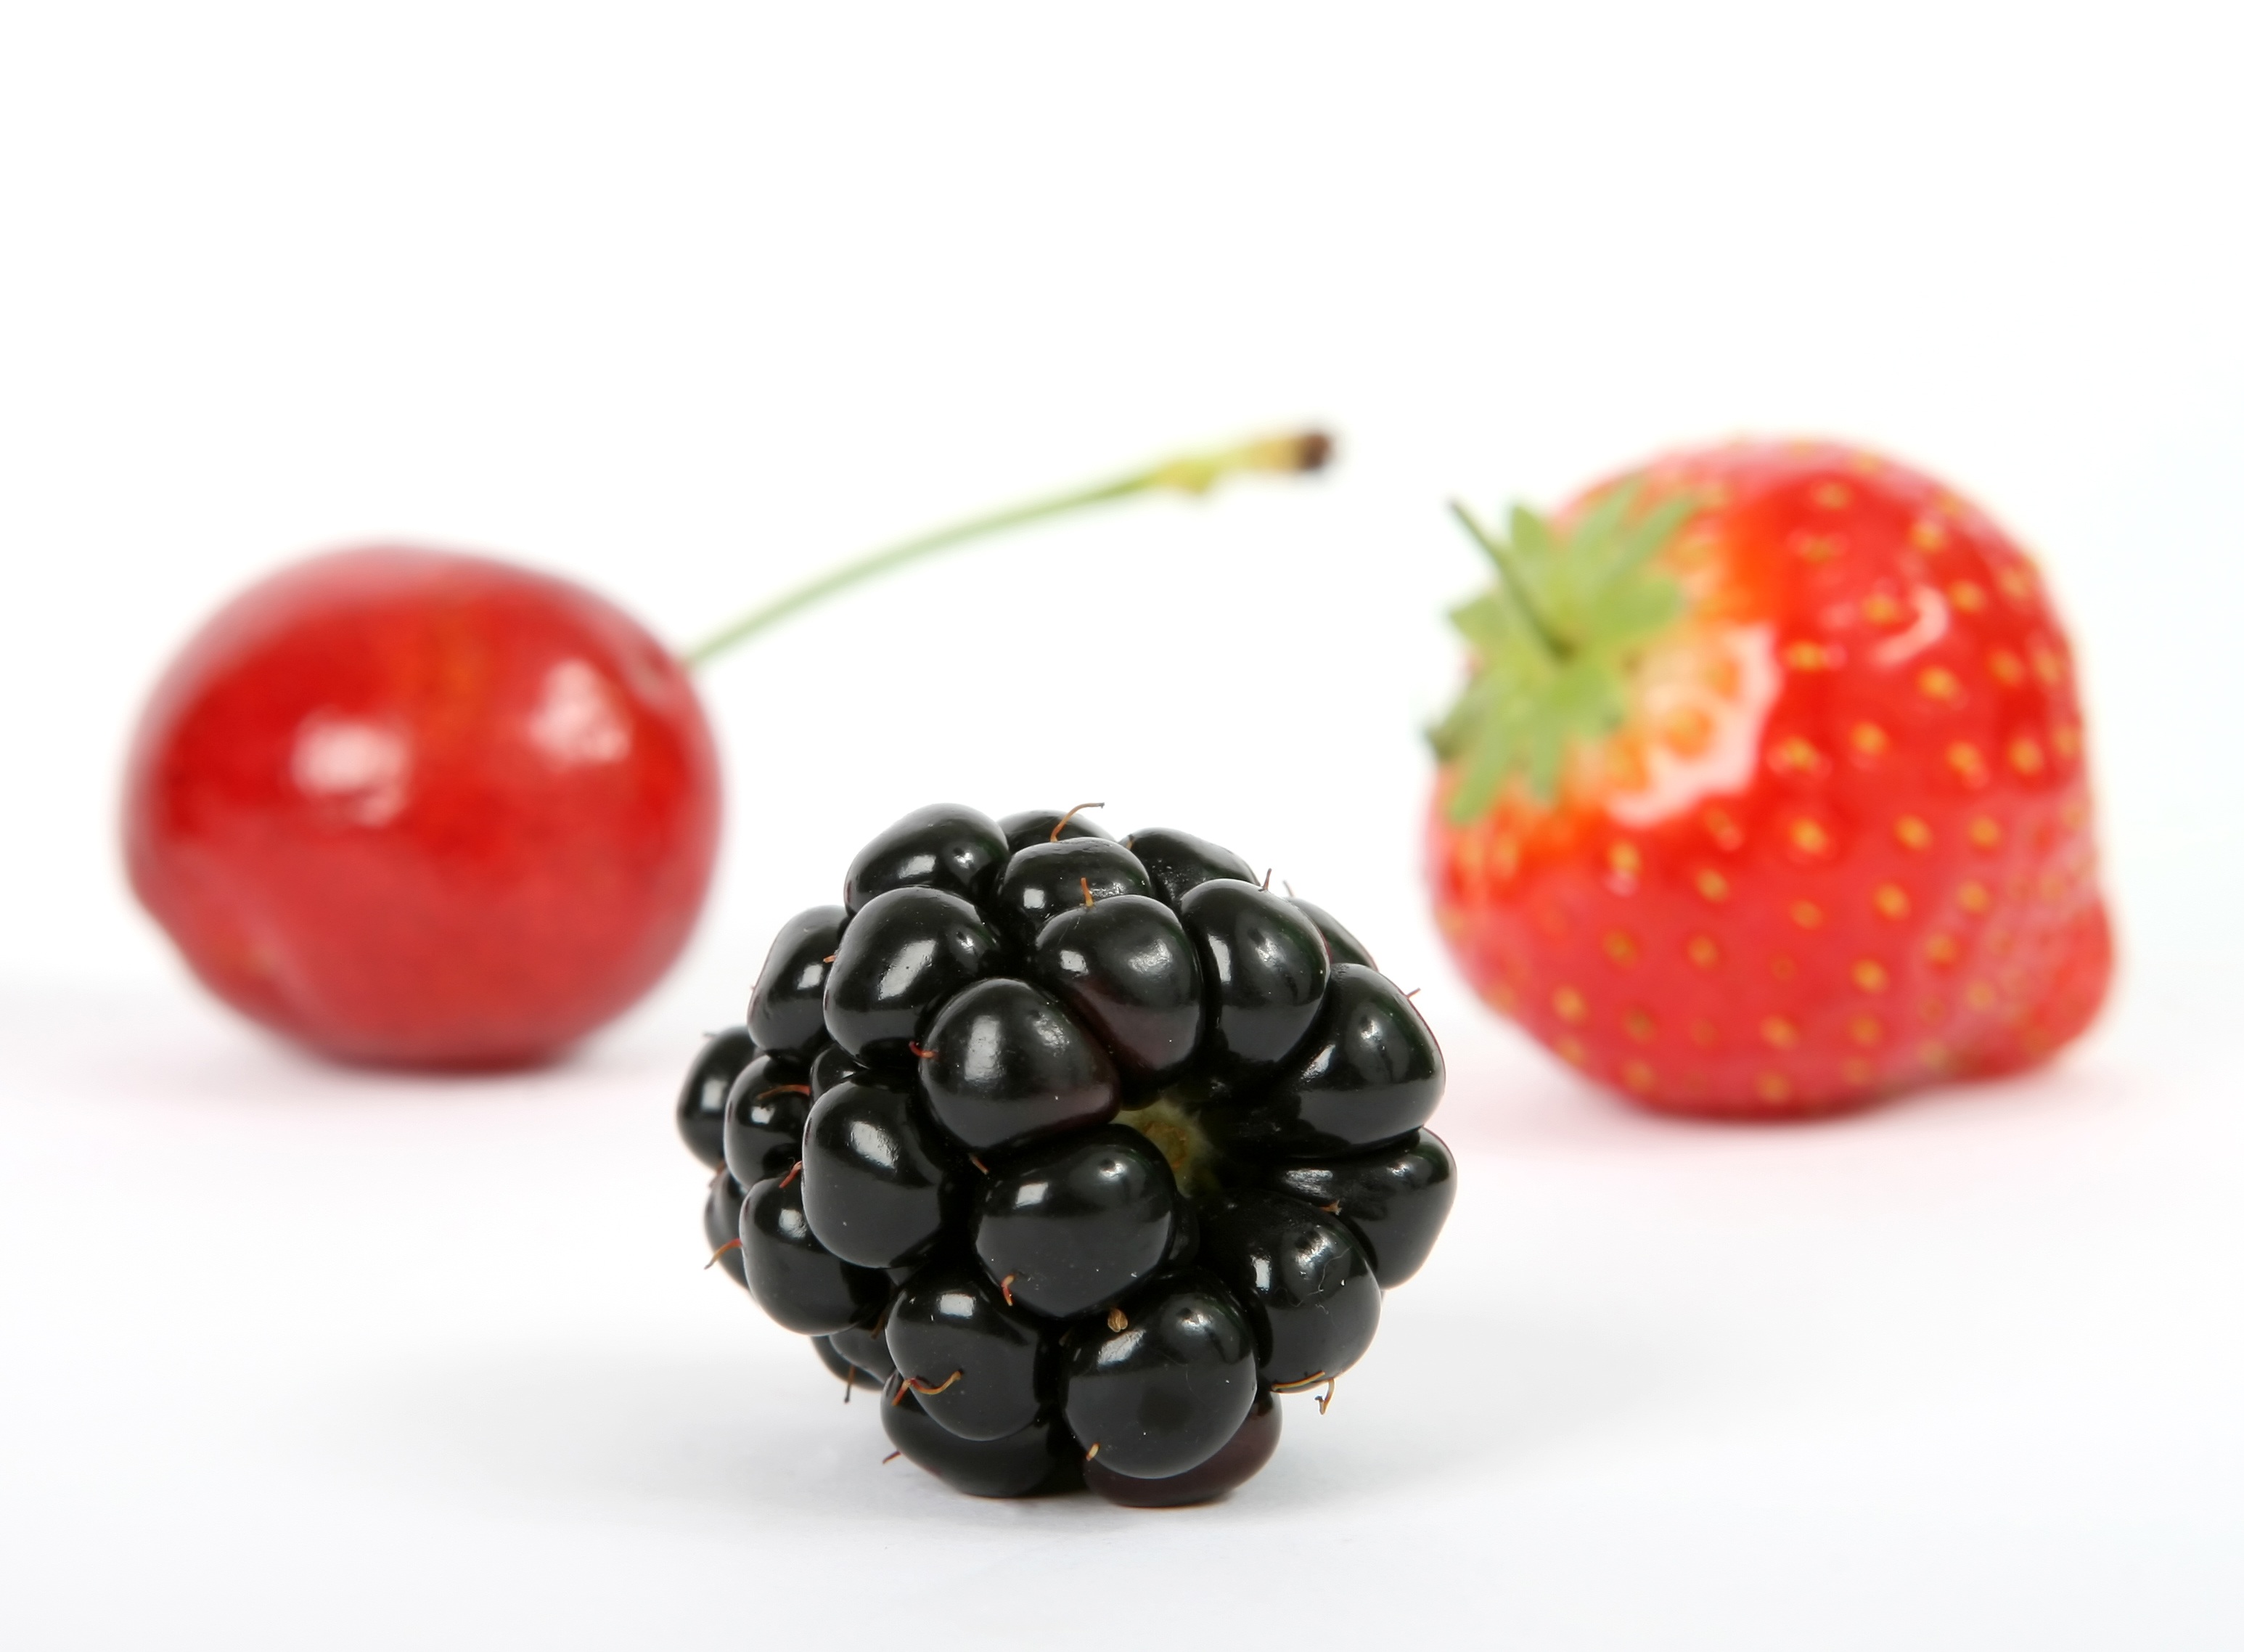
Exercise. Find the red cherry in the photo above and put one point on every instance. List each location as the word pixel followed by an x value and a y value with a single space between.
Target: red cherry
pixel 420 808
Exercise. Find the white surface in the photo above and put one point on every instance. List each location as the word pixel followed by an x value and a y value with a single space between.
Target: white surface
pixel 686 304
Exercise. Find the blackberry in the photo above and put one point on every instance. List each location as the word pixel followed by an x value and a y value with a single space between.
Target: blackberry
pixel 1238 1461
pixel 1081 1150
pixel 851 1373
pixel 764 1113
pixel 708 1081
pixel 1068 1225
pixel 720 1224
pixel 880 1181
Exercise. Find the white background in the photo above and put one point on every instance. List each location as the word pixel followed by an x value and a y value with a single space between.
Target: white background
pixel 689 301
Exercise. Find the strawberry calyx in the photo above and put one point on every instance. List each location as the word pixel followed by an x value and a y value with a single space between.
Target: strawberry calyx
pixel 1556 641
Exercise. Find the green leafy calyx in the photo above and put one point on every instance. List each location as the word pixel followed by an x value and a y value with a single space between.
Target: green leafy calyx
pixel 1555 640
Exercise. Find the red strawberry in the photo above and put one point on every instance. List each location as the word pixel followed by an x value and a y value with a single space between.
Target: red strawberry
pixel 1767 794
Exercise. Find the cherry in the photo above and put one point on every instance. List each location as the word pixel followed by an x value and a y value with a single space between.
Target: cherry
pixel 419 808
pixel 422 808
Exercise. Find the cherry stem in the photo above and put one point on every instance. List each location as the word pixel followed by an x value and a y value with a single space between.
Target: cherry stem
pixel 1193 473
pixel 1514 586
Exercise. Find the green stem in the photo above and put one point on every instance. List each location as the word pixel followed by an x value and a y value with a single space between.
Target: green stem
pixel 1193 473
pixel 1513 580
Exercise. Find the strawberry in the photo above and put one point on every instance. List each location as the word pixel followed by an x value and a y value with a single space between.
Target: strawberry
pixel 1766 795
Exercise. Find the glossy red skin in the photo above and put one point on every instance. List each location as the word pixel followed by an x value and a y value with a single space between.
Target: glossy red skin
pixel 1602 940
pixel 416 809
